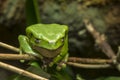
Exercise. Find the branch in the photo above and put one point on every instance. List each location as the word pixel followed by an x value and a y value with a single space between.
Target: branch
pixel 9 47
pixel 8 56
pixel 90 66
pixel 73 61
pixel 21 71
pixel 118 54
pixel 100 40
pixel 90 61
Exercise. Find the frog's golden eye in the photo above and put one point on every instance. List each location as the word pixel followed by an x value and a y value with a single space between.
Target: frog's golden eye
pixel 37 40
pixel 30 35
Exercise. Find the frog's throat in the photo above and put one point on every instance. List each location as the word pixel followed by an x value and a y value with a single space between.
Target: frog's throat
pixel 48 53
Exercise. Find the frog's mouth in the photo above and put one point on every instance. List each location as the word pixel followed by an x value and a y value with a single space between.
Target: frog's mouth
pixel 46 52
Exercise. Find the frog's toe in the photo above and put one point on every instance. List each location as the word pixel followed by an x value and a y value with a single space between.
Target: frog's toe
pixel 51 64
pixel 61 66
pixel 58 68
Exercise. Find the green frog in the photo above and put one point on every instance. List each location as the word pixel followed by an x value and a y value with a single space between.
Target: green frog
pixel 46 41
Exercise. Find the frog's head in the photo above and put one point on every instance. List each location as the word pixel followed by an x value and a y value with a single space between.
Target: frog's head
pixel 47 39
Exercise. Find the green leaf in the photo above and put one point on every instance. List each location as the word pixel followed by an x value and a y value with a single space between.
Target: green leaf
pixel 34 68
pixel 63 74
pixel 32 12
pixel 78 77
pixel 109 78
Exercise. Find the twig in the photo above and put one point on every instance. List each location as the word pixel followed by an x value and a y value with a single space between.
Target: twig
pixel 8 56
pixel 9 47
pixel 100 40
pixel 118 59
pixel 96 63
pixel 90 61
pixel 21 71
pixel 118 54
pixel 90 66
pixel 73 61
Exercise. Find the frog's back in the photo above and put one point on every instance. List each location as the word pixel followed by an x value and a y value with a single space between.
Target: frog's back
pixel 48 30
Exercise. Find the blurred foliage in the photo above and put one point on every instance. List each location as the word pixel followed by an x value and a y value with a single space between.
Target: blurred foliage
pixel 103 14
pixel 72 14
pixel 109 78
pixel 32 17
pixel 12 12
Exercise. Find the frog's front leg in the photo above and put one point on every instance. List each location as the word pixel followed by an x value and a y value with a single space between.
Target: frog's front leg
pixel 62 64
pixel 25 46
pixel 60 60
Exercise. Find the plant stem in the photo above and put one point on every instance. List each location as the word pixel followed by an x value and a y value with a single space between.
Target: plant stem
pixel 89 66
pixel 100 40
pixel 21 71
pixel 8 56
pixel 90 61
pixel 9 47
pixel 74 61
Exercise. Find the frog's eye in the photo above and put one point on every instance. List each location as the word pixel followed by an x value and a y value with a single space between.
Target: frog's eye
pixel 30 35
pixel 37 40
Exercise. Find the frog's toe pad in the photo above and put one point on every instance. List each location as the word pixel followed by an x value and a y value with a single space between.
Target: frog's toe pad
pixel 61 66
pixel 51 64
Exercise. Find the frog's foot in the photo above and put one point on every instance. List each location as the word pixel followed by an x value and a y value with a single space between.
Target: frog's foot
pixel 51 64
pixel 44 67
pixel 21 52
pixel 61 65
pixel 46 62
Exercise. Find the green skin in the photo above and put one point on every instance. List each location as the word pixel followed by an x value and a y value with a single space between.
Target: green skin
pixel 46 41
